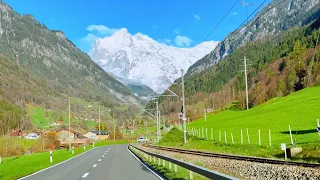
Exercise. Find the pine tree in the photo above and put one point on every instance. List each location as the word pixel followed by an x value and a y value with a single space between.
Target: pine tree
pixel 300 69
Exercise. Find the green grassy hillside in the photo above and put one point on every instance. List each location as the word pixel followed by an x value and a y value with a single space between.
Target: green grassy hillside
pixel 300 110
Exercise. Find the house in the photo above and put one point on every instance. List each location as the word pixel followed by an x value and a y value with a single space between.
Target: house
pixel 15 133
pixel 103 135
pixel 131 129
pixel 32 136
pixel 59 123
pixel 65 135
pixel 90 135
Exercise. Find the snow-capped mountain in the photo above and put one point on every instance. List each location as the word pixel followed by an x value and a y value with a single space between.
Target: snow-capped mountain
pixel 139 57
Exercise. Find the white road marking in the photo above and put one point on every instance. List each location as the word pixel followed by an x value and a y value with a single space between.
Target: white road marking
pixel 105 153
pixel 94 165
pixel 145 165
pixel 99 160
pixel 102 155
pixel 85 175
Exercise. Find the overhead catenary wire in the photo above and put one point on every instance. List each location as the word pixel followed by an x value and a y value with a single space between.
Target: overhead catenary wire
pixel 272 7
pixel 223 19
pixel 215 27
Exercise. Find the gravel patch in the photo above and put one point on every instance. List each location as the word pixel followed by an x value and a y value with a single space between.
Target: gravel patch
pixel 245 169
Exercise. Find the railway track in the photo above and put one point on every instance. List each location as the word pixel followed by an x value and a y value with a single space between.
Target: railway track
pixel 235 157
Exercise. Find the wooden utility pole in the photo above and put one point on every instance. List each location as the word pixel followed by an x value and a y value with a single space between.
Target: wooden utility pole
pixel 99 126
pixel 246 80
pixel 69 123
pixel 114 129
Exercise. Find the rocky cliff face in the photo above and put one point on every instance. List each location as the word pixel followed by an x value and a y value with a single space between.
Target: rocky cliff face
pixel 276 17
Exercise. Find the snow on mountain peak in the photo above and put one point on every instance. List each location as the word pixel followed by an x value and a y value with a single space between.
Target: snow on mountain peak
pixel 140 57
pixel 122 32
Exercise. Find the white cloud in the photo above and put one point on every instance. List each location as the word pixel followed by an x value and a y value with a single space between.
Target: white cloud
pixel 197 17
pixel 104 30
pixel 89 38
pixel 165 41
pixel 177 31
pixel 234 14
pixel 95 31
pixel 181 41
pixel 86 42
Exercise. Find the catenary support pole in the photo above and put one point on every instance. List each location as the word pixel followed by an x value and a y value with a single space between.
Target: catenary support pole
pixel 184 110
pixel 246 80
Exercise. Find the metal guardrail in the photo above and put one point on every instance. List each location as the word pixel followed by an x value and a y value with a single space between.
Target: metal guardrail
pixel 193 168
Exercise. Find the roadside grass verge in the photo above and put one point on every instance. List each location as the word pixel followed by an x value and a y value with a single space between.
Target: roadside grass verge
pixel 165 171
pixel 20 166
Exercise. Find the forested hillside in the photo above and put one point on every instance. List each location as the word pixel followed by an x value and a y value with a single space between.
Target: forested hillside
pixel 50 56
pixel 42 67
pixel 276 63
pixel 277 17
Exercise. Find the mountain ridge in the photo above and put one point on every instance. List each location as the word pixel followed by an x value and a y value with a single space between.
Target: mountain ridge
pixel 53 57
pixel 140 57
pixel 276 17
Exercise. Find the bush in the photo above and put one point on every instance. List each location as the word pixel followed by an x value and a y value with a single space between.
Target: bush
pixel 10 147
pixel 44 142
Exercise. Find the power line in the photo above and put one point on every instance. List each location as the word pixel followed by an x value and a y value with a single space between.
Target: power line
pixel 215 27
pixel 254 20
pixel 223 19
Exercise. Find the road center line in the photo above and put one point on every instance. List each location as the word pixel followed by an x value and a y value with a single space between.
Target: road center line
pixel 99 160
pixel 94 165
pixel 102 155
pixel 85 175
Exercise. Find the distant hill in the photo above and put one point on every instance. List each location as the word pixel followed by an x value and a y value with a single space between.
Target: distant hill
pixel 50 56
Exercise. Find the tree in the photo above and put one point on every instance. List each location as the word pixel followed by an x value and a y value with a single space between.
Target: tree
pixel 300 69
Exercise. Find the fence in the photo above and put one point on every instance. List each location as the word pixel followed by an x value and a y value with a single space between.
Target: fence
pixel 223 136
pixel 191 167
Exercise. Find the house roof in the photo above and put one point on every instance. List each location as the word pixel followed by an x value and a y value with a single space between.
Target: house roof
pixel 131 127
pixel 89 133
pixel 101 132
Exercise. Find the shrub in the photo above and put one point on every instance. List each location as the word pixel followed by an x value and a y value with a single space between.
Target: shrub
pixel 10 147
pixel 44 142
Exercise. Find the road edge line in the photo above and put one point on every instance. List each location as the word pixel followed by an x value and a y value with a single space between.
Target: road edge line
pixel 153 172
pixel 56 164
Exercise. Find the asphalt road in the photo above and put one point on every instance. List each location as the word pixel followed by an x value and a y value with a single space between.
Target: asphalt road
pixel 110 162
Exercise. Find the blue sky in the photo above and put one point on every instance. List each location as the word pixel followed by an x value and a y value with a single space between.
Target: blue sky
pixel 181 23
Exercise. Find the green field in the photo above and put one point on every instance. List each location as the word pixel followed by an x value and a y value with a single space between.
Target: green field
pixel 19 166
pixel 300 110
pixel 40 119
pixel 38 116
